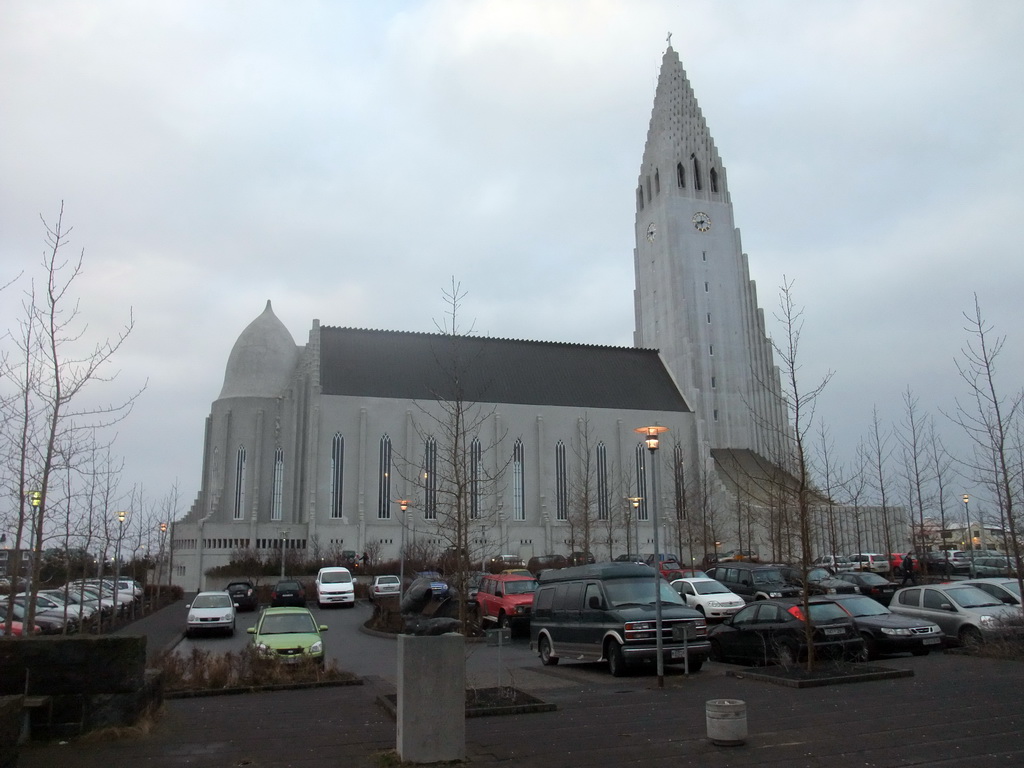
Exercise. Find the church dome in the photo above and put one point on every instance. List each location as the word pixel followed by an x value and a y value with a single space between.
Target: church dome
pixel 262 361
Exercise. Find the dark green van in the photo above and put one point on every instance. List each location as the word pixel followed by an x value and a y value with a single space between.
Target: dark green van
pixel 605 612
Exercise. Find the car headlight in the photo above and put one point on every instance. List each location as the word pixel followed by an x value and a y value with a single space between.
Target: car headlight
pixel 264 650
pixel 830 590
pixel 774 594
pixel 895 631
pixel 317 647
pixel 988 621
pixel 191 618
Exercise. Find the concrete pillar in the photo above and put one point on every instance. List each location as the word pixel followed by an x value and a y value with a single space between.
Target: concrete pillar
pixel 431 698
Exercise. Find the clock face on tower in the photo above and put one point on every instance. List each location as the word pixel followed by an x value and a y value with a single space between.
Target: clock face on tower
pixel 701 221
pixel 652 232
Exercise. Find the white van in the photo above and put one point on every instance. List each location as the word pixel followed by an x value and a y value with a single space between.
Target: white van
pixel 334 586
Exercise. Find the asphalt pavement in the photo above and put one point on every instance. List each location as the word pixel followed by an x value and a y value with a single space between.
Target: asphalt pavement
pixel 955 710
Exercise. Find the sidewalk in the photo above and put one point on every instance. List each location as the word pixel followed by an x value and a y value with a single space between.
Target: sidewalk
pixel 956 711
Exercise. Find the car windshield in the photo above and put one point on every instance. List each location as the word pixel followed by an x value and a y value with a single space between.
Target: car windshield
pixel 288 586
pixel 817 574
pixel 709 587
pixel 239 586
pixel 639 592
pixel 826 612
pixel 767 576
pixel 971 597
pixel 212 601
pixel 287 623
pixel 336 577
pixel 864 606
pixel 871 579
pixel 520 587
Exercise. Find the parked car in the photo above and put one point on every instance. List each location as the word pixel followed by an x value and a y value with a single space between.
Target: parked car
pixel 886 632
pixel 335 586
pixel 871 584
pixel 211 612
pixel 835 563
pixel 709 597
pixel 498 563
pixel 540 563
pixel 733 555
pixel 48 607
pixel 48 624
pixel 965 613
pixel 773 631
pixel 17 628
pixel 289 635
pixel 506 599
pixel 439 588
pixel 244 594
pixel 870 561
pixel 629 557
pixel 820 581
pixel 581 558
pixel 83 609
pixel 753 581
pixel 896 562
pixel 1005 590
pixel 385 585
pixel 288 592
pixel 986 567
pixel 93 593
pixel 606 612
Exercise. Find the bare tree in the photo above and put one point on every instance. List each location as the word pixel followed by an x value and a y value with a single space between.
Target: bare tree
pixel 991 420
pixel 878 453
pixel 913 436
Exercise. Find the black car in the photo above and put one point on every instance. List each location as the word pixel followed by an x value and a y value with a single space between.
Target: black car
pixel 288 592
pixel 871 584
pixel 773 631
pixel 820 581
pixel 753 581
pixel 540 563
pixel 884 631
pixel 244 594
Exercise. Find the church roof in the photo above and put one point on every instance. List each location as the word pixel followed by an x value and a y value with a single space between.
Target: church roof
pixel 262 360
pixel 424 366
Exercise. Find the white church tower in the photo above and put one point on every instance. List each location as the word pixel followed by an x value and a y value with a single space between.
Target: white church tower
pixel 694 299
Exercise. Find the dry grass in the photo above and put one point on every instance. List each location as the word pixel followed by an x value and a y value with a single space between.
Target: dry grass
pixel 205 671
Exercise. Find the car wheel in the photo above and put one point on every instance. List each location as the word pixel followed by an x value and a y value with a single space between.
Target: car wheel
pixel 502 620
pixel 870 649
pixel 970 637
pixel 695 665
pixel 544 648
pixel 716 651
pixel 616 661
pixel 700 610
pixel 785 654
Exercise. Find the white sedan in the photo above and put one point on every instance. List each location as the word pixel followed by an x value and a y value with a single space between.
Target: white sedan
pixel 210 612
pixel 710 597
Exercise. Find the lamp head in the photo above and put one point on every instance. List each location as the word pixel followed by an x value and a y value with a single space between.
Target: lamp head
pixel 403 504
pixel 651 435
pixel 966 498
pixel 121 516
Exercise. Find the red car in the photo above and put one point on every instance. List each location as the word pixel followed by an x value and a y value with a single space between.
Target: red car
pixel 506 598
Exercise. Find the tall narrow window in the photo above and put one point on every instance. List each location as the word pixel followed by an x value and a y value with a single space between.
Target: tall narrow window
pixel 680 483
pixel 561 483
pixel 337 473
pixel 648 180
pixel 430 479
pixel 657 182
pixel 711 350
pixel 518 482
pixel 680 176
pixel 714 180
pixel 239 508
pixel 641 480
pixel 475 471
pixel 713 382
pixel 706 287
pixel 276 511
pixel 696 173
pixel 640 198
pixel 603 508
pixel 384 480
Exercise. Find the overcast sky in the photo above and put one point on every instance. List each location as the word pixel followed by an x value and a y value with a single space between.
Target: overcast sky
pixel 346 159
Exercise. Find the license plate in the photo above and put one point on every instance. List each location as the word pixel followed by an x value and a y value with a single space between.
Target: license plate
pixel 678 653
pixel 931 641
pixel 835 631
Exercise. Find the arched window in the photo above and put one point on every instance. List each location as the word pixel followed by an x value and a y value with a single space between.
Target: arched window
pixel 696 173
pixel 384 480
pixel 680 176
pixel 641 481
pixel 518 482
pixel 337 473
pixel 276 511
pixel 430 479
pixel 475 473
pixel 603 508
pixel 239 508
pixel 680 483
pixel 657 181
pixel 561 483
pixel 714 180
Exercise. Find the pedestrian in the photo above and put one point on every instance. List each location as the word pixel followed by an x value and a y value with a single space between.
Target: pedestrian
pixel 908 570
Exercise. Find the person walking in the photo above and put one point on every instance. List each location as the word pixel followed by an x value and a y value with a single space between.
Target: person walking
pixel 908 570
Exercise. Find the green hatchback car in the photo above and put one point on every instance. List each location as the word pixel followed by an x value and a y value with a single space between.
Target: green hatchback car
pixel 288 634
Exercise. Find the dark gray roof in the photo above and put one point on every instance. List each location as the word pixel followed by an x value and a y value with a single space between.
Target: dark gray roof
pixel 426 366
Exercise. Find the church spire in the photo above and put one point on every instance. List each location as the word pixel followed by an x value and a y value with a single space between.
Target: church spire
pixel 679 149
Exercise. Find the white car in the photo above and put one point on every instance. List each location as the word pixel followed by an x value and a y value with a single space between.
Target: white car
pixel 835 563
pixel 870 561
pixel 334 586
pixel 210 612
pixel 710 597
pixel 383 586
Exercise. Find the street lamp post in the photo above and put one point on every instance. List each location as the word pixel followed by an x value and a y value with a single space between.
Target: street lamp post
pixel 284 541
pixel 651 438
pixel 117 552
pixel 970 533
pixel 635 501
pixel 403 504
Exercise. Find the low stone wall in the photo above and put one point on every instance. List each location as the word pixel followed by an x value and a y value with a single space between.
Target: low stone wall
pixel 92 682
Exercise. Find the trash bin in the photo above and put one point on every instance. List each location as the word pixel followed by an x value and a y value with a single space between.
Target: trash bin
pixel 727 721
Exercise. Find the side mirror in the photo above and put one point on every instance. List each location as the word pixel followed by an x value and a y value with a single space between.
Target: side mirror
pixel 498 593
pixel 188 607
pixel 251 630
pixel 946 606
pixel 323 627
